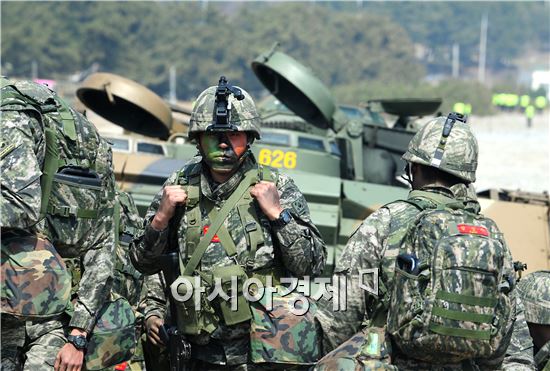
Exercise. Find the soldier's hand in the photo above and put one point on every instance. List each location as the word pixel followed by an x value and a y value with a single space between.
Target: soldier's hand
pixel 69 358
pixel 268 198
pixel 172 196
pixel 152 326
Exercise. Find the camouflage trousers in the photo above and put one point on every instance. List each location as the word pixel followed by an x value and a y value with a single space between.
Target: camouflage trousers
pixel 31 345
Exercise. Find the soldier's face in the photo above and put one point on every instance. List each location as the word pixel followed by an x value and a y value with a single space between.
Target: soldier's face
pixel 222 151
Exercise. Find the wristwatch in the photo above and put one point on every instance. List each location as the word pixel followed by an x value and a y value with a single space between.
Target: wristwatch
pixel 79 341
pixel 284 218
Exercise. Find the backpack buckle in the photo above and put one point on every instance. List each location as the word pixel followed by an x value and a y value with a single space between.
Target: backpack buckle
pixel 250 226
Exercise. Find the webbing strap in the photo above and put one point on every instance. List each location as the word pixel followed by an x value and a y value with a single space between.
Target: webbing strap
pixel 116 221
pixel 67 211
pixel 49 169
pixel 216 224
pixel 223 234
pixel 67 120
pixel 194 217
pixel 462 316
pixel 264 173
pixel 466 299
pixel 461 332
pixel 227 241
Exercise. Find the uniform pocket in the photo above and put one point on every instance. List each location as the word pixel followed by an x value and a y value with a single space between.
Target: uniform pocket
pixel 74 204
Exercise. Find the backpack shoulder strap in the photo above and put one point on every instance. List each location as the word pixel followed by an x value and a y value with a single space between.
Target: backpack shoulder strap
pixel 265 173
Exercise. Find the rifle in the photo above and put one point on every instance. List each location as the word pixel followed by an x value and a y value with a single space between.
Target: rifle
pixel 179 347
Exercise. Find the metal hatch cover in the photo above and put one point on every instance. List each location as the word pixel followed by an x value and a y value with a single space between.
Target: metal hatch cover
pixel 296 87
pixel 126 103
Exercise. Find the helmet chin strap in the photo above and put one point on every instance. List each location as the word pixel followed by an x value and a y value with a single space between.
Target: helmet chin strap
pixel 407 175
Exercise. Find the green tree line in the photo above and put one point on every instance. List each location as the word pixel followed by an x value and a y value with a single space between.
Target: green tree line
pixel 358 51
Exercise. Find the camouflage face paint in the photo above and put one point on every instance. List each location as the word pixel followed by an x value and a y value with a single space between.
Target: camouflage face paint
pixel 222 151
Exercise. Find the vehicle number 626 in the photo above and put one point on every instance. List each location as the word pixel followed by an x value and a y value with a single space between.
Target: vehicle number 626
pixel 277 158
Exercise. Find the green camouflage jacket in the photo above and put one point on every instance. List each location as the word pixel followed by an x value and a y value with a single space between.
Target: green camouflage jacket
pixel 23 151
pixel 368 248
pixel 297 247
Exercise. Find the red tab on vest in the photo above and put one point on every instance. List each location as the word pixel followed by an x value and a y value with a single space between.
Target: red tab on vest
pixel 205 231
pixel 473 229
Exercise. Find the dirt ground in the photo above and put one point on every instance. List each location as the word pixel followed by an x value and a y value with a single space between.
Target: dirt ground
pixel 513 156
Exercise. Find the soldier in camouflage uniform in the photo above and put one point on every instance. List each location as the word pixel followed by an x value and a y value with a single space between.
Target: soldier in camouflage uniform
pixel 534 289
pixel 43 344
pixel 128 282
pixel 290 243
pixel 155 313
pixel 375 245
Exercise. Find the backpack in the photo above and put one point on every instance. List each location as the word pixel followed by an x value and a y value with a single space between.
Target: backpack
pixel 77 181
pixel 77 186
pixel 453 275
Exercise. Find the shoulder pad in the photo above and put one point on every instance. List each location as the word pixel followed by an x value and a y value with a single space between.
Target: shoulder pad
pixel 39 93
pixel 13 100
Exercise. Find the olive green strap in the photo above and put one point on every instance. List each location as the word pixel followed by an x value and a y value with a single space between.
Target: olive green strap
pixel 461 332
pixel 216 224
pixel 67 211
pixel 227 241
pixel 49 169
pixel 466 299
pixel 264 173
pixel 193 212
pixel 116 221
pixel 462 316
pixel 67 119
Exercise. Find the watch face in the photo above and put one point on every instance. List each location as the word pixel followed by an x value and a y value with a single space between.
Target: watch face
pixel 79 341
pixel 285 215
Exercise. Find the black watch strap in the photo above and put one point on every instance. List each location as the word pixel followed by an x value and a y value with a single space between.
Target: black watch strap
pixel 284 218
pixel 79 341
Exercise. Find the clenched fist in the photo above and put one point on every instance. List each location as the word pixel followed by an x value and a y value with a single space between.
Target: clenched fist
pixel 172 196
pixel 268 198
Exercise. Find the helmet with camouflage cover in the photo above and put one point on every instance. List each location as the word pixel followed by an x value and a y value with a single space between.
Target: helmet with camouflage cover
pixel 243 114
pixel 534 290
pixel 454 152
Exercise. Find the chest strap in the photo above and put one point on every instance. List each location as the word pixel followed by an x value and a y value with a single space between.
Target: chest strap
pixel 229 204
